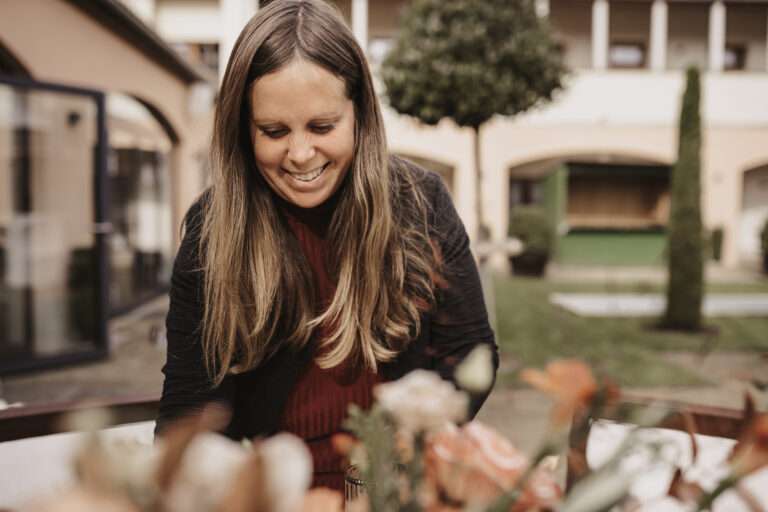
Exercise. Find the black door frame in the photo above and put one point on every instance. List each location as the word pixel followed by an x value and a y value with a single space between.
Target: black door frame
pixel 101 230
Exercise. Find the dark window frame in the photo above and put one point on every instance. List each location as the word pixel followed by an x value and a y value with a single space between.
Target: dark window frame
pixel 100 348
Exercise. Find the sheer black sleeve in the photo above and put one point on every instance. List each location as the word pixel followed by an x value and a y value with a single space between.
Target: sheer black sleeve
pixel 187 387
pixel 460 320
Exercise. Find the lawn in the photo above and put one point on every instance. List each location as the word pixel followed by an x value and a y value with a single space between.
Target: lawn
pixel 531 331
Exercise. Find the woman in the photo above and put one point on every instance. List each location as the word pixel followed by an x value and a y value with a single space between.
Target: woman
pixel 316 265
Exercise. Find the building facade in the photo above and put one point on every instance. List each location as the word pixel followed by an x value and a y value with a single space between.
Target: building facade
pixel 609 139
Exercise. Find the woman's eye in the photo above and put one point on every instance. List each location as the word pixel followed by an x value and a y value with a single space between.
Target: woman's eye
pixel 322 128
pixel 274 134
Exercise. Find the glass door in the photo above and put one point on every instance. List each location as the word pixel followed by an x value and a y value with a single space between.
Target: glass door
pixel 52 229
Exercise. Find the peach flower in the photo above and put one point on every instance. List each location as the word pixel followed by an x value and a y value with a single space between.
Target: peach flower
pixel 570 382
pixel 475 465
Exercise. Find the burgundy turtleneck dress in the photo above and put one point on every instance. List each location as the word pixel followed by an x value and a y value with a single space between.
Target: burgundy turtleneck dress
pixel 318 403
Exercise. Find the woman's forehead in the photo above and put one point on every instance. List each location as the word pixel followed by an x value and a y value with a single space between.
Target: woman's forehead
pixel 298 89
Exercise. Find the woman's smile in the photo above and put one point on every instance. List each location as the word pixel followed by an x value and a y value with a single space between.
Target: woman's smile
pixel 309 176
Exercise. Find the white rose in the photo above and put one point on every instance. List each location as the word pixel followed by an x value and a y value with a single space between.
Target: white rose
pixel 207 471
pixel 288 465
pixel 422 401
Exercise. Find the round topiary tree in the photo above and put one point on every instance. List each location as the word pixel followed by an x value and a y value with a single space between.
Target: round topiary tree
pixel 685 287
pixel 469 60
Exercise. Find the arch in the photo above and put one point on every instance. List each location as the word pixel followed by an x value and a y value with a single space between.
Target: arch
pixel 11 65
pixel 160 117
pixel 540 165
pixel 141 141
pixel 753 212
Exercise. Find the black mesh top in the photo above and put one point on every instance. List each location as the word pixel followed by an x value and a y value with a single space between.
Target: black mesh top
pixel 456 324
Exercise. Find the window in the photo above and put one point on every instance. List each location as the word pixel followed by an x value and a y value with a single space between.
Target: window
pixel 735 57
pixel 201 54
pixel 525 192
pixel 627 55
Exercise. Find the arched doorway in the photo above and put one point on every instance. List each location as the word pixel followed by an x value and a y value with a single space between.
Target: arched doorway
pixel 141 241
pixel 606 209
pixel 754 213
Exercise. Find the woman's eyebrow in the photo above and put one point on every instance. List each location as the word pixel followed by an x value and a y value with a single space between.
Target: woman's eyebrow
pixel 323 116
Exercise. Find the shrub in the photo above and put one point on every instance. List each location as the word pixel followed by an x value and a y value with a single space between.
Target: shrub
pixel 532 227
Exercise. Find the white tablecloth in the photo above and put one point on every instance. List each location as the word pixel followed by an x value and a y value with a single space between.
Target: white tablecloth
pixel 37 466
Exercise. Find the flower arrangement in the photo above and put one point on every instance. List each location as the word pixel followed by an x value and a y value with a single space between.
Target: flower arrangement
pixel 412 452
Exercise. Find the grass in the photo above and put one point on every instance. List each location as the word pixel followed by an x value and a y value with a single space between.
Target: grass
pixel 532 331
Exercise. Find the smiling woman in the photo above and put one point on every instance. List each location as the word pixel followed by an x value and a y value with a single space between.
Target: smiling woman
pixel 304 132
pixel 317 265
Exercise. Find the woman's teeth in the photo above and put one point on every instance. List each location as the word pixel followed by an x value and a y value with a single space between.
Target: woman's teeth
pixel 309 176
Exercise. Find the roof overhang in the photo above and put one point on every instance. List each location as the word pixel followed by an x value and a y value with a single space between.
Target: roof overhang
pixel 122 22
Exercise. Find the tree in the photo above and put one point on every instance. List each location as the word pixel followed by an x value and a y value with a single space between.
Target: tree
pixel 469 60
pixel 685 285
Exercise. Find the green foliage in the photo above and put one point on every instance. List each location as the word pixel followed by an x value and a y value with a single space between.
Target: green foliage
pixel 469 60
pixel 376 431
pixel 686 241
pixel 533 228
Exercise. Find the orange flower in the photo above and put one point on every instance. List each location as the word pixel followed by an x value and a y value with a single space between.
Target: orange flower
pixel 570 382
pixel 751 451
pixel 475 465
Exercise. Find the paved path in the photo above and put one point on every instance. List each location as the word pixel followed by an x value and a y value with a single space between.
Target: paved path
pixel 652 304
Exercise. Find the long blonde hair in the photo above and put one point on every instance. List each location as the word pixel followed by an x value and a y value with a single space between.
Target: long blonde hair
pixel 258 288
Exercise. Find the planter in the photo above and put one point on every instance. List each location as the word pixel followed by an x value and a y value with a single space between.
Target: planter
pixel 529 264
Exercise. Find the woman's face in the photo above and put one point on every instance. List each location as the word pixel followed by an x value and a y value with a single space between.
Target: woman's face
pixel 303 131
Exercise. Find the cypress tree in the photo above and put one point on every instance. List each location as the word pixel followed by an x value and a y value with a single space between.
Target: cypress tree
pixel 685 286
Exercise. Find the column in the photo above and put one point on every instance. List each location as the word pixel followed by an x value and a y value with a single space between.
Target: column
pixel 600 28
pixel 542 8
pixel 234 15
pixel 659 16
pixel 716 36
pixel 360 22
pixel 766 42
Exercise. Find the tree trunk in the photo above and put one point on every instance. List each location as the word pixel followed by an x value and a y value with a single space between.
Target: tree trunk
pixel 483 233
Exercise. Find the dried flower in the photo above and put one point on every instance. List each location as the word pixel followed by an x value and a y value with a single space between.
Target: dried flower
pixel 751 451
pixel 288 470
pixel 322 500
pixel 422 401
pixel 475 373
pixel 570 382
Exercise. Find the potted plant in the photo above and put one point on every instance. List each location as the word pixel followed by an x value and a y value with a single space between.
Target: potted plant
pixel 531 226
pixel 764 246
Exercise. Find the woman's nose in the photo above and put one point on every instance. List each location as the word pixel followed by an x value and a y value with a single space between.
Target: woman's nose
pixel 300 151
